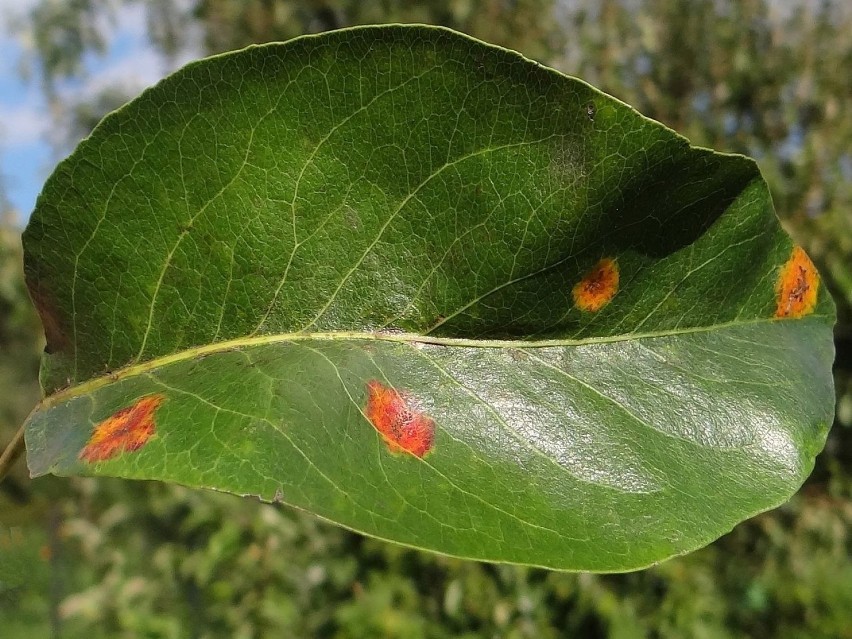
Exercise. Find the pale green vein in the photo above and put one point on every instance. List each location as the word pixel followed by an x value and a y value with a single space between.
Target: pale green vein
pixel 360 410
pixel 612 400
pixel 74 272
pixel 138 368
pixel 526 442
pixel 179 241
pixel 476 497
pixel 309 162
pixel 402 205
pixel 278 430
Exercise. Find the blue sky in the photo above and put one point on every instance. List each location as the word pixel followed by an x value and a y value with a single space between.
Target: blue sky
pixel 26 155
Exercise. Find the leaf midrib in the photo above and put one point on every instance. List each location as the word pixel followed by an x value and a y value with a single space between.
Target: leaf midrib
pixel 397 337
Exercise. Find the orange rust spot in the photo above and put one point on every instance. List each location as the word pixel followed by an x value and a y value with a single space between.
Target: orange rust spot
pixel 125 431
pixel 400 425
pixel 797 285
pixel 597 287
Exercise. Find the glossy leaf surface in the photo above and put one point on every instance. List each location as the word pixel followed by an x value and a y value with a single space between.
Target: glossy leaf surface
pixel 433 292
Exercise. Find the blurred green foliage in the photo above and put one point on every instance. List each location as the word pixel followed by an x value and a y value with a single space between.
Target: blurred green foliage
pixel 105 558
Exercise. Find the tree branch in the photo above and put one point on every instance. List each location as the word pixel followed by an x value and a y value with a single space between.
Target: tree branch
pixel 11 453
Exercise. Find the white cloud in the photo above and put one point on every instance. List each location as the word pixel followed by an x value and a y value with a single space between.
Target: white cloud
pixel 138 70
pixel 12 12
pixel 139 65
pixel 22 125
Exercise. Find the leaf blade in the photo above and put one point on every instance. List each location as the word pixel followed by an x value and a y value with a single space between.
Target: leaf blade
pixel 471 193
pixel 565 469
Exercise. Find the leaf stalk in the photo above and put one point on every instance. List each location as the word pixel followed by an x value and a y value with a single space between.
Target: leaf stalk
pixel 11 453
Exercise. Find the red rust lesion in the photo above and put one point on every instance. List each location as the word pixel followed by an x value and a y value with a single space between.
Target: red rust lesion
pixel 126 431
pixel 798 284
pixel 597 287
pixel 402 427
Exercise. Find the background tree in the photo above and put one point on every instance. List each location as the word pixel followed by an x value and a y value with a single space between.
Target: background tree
pixel 95 558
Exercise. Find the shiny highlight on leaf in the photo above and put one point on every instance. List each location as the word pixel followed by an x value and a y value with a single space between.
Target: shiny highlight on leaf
pixel 402 427
pixel 597 287
pixel 797 287
pixel 125 431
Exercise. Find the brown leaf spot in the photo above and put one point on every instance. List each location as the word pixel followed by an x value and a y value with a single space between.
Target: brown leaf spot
pixel 55 335
pixel 400 425
pixel 597 287
pixel 125 431
pixel 797 286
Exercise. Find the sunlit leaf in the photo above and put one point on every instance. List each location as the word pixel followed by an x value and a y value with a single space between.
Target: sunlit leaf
pixel 431 291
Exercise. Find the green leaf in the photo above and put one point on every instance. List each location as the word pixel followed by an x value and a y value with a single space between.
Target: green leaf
pixel 595 340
